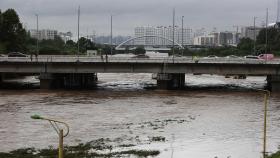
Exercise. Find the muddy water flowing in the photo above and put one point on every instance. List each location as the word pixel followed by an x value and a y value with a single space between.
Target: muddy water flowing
pixel 216 117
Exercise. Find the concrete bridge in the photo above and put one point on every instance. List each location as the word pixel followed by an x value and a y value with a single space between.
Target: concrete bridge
pixel 56 71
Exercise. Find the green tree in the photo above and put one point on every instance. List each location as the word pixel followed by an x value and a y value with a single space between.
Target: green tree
pixel 55 46
pixel 70 43
pixel 106 49
pixel 187 52
pixel 86 44
pixel 12 34
pixel 245 44
pixel 139 50
pixel 273 36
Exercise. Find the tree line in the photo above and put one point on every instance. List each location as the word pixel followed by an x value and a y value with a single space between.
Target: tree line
pixel 14 38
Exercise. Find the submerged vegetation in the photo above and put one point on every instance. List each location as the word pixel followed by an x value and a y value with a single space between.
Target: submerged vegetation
pixel 79 153
pixel 93 149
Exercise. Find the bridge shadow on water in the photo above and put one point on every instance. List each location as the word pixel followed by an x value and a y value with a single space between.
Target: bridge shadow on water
pixel 33 83
pixel 146 87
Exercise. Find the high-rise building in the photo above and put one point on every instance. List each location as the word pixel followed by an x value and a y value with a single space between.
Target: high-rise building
pixel 139 32
pixel 250 32
pixel 207 40
pixel 217 39
pixel 43 34
pixel 65 36
pixel 105 39
pixel 160 33
pixel 200 32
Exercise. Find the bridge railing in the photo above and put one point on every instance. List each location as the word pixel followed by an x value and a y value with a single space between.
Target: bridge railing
pixel 112 59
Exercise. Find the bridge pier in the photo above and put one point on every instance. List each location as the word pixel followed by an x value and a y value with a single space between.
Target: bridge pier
pixel 69 81
pixel 170 81
pixel 46 80
pixel 1 78
pixel 273 83
pixel 84 81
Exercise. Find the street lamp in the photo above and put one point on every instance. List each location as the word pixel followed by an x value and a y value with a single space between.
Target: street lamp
pixel 111 35
pixel 58 130
pixel 37 33
pixel 173 34
pixel 255 36
pixel 78 43
pixel 266 32
pixel 182 34
pixel 266 98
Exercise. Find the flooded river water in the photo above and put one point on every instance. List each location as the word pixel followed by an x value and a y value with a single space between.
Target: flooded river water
pixel 215 117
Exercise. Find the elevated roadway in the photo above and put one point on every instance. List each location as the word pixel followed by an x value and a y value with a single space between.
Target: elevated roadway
pixel 168 68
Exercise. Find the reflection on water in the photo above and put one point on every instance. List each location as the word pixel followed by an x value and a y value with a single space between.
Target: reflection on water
pixel 223 121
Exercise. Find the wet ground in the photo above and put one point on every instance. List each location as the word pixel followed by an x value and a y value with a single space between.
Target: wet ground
pixel 215 116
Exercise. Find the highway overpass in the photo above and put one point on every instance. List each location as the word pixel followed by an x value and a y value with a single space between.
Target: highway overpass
pixel 170 70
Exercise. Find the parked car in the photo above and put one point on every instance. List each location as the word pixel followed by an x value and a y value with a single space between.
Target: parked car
pixel 232 56
pixel 266 56
pixel 16 54
pixel 251 57
pixel 141 56
pixel 211 57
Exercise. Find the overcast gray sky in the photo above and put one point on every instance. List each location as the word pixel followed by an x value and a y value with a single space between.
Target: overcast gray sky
pixel 95 14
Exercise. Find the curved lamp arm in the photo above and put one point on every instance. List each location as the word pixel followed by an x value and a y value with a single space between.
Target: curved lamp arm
pixel 53 122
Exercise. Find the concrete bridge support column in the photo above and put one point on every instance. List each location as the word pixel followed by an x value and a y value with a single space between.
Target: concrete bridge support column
pixel 273 83
pixel 84 81
pixel 72 81
pixel 46 80
pixel 170 81
pixel 1 79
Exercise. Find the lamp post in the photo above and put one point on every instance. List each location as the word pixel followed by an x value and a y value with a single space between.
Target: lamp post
pixel 78 33
pixel 255 35
pixel 111 35
pixel 266 98
pixel 37 33
pixel 266 32
pixel 173 34
pixel 58 130
pixel 182 34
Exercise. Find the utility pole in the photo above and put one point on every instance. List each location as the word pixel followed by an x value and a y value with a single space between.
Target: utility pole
pixel 236 36
pixel 111 41
pixel 266 32
pixel 173 33
pixel 255 35
pixel 182 34
pixel 278 15
pixel 78 33
pixel 37 33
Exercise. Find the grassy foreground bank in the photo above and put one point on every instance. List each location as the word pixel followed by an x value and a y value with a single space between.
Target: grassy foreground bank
pixel 93 149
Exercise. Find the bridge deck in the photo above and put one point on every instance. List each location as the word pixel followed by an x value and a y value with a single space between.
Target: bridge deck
pixel 85 59
pixel 82 64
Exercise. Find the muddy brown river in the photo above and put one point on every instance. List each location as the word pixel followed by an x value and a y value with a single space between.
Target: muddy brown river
pixel 215 116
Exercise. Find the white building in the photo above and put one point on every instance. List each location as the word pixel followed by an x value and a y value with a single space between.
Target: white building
pixel 43 34
pixel 217 39
pixel 140 31
pixel 66 36
pixel 250 32
pixel 200 32
pixel 208 40
pixel 165 32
